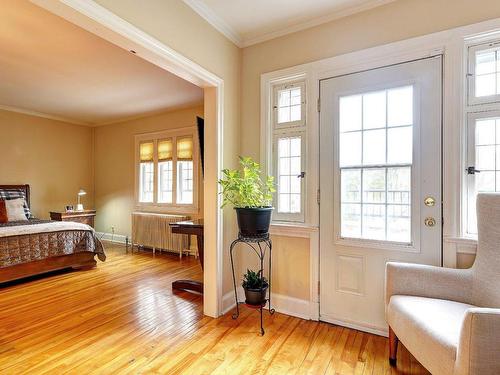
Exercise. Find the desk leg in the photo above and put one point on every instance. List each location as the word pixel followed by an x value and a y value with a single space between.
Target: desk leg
pixel 191 285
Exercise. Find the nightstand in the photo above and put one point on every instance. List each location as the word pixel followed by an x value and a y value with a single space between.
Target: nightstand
pixel 85 216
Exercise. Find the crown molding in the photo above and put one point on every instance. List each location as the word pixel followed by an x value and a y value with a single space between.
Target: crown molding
pixel 42 114
pixel 218 23
pixel 213 19
pixel 315 22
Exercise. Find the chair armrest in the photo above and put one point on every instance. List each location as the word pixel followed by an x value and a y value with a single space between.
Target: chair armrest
pixel 427 281
pixel 479 346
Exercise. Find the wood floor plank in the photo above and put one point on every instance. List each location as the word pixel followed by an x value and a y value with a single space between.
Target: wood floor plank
pixel 123 318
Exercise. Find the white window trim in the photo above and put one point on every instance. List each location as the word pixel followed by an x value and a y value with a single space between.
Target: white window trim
pixel 471 109
pixel 277 87
pixel 168 207
pixel 310 213
pixel 290 217
pixel 472 100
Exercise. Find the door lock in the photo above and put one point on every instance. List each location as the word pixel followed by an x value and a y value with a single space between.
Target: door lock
pixel 429 201
pixel 430 221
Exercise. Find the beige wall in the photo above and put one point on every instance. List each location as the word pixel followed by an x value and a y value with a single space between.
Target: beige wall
pixel 179 27
pixel 53 157
pixel 115 165
pixel 396 21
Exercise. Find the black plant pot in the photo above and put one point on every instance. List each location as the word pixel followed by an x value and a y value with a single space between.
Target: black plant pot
pixel 254 221
pixel 256 297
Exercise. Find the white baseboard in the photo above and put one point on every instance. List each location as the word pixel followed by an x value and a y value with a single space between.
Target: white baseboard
pixel 299 308
pixel 110 237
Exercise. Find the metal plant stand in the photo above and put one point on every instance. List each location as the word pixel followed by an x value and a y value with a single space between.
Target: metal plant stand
pixel 261 246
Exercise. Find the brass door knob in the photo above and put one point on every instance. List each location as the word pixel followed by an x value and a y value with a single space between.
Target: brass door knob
pixel 430 221
pixel 429 201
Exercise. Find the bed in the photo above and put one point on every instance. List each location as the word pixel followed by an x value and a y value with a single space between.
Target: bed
pixel 33 247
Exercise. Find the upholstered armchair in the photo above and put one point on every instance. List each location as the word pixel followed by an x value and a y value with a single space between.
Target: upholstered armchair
pixel 449 319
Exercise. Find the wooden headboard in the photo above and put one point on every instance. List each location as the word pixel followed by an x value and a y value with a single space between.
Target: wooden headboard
pixel 25 188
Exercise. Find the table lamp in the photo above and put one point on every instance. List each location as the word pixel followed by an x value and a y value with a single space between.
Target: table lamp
pixel 79 206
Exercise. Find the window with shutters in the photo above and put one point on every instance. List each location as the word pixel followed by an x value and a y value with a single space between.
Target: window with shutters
pixel 167 168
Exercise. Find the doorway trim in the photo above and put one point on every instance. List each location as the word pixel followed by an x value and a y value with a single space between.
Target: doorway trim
pixel 100 21
pixel 451 44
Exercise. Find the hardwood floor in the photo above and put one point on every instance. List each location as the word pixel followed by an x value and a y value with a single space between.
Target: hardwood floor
pixel 122 318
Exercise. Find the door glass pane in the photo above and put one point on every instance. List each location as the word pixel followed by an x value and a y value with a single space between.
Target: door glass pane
pixel 398 223
pixel 399 185
pixel 350 149
pixel 400 145
pixel 350 220
pixel 351 185
pixel 374 110
pixel 374 185
pixel 350 113
pixel 376 195
pixel 374 221
pixel 400 106
pixel 374 147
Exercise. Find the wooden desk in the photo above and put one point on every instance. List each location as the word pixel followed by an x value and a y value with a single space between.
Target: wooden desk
pixel 193 227
pixel 85 216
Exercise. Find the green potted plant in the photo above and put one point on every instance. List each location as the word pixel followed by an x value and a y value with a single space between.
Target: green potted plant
pixel 250 195
pixel 255 286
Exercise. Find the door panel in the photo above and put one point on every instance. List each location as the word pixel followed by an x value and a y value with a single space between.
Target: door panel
pixel 380 158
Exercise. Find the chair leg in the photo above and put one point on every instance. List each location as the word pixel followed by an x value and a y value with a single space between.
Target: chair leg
pixel 393 347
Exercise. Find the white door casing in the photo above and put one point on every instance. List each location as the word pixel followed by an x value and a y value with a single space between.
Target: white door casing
pixel 357 238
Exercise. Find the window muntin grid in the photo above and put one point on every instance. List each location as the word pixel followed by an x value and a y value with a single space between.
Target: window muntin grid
pixel 375 160
pixel 146 178
pixel 185 182
pixel 165 181
pixel 486 160
pixel 289 174
pixel 289 105
pixel 487 72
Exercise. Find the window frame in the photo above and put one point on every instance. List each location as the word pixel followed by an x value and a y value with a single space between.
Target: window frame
pixel 284 130
pixel 155 137
pixel 415 165
pixel 473 109
pixel 471 74
pixel 289 216
pixel 470 158
pixel 275 104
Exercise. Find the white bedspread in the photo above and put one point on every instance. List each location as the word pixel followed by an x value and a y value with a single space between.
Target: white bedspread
pixel 54 226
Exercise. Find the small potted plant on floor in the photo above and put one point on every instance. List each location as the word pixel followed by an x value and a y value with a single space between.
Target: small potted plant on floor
pixel 255 286
pixel 250 195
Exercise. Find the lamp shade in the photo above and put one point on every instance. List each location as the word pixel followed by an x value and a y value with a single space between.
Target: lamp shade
pixel 82 192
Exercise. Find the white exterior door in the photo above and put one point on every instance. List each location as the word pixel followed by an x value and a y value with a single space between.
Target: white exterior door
pixel 380 184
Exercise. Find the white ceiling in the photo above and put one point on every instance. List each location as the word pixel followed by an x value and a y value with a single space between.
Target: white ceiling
pixel 249 22
pixel 54 68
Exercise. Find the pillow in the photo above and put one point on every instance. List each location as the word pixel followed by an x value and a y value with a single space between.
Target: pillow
pixel 8 194
pixel 15 210
pixel 3 213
